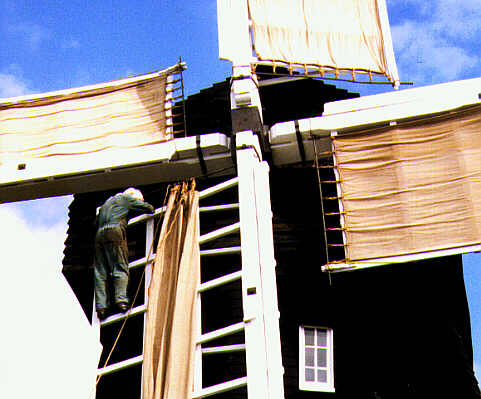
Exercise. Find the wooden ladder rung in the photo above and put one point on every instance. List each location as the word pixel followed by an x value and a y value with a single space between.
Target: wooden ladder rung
pixel 120 316
pixel 215 208
pixel 220 251
pixel 222 232
pixel 219 388
pixel 121 365
pixel 208 285
pixel 224 349
pixel 221 332
pixel 141 262
pixel 218 188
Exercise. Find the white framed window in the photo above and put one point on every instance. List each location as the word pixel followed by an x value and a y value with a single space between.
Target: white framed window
pixel 316 359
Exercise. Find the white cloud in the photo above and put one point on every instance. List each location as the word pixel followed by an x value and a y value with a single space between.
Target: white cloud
pixel 438 46
pixel 33 34
pixel 71 43
pixel 44 317
pixel 11 86
pixel 21 239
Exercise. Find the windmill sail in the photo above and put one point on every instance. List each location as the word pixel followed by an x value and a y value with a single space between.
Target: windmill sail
pixel 338 36
pixel 412 188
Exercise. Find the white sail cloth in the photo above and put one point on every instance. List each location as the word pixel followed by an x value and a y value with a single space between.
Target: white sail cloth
pixel 169 342
pixel 413 187
pixel 334 35
pixel 128 113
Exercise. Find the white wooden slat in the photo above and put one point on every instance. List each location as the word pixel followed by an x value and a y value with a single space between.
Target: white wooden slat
pixel 256 352
pixel 208 285
pixel 149 241
pixel 198 347
pixel 218 188
pixel 219 388
pixel 141 262
pixel 220 251
pixel 121 365
pixel 214 208
pixel 222 332
pixel 146 217
pixel 268 281
pixel 224 349
pixel 223 231
pixel 120 316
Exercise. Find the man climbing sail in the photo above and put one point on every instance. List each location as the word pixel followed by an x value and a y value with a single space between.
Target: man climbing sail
pixel 111 265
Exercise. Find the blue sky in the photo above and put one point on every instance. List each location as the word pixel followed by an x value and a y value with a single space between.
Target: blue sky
pixel 49 45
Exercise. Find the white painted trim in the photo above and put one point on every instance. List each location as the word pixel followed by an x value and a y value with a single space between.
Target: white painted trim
pixel 170 160
pixel 314 385
pixel 149 241
pixel 197 385
pixel 221 332
pixel 259 292
pixel 217 282
pixel 252 295
pixel 224 349
pixel 146 217
pixel 462 91
pixel 141 262
pixel 268 280
pixel 363 264
pixel 214 208
pixel 223 231
pixel 218 188
pixel 121 316
pixel 219 388
pixel 220 251
pixel 121 365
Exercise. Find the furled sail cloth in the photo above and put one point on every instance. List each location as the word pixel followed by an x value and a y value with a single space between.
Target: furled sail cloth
pixel 340 36
pixel 169 335
pixel 412 188
pixel 127 113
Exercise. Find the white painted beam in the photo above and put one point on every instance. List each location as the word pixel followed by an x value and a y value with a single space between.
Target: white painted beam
pixel 252 293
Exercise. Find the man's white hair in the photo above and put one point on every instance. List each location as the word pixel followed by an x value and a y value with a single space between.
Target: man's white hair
pixel 133 192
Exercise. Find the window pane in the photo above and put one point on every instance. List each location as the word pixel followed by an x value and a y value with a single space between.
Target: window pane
pixel 309 374
pixel 321 337
pixel 321 358
pixel 310 357
pixel 309 334
pixel 321 375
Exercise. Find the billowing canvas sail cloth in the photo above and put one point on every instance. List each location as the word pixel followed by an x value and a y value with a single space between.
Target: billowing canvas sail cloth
pixel 126 113
pixel 337 35
pixel 412 188
pixel 169 334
